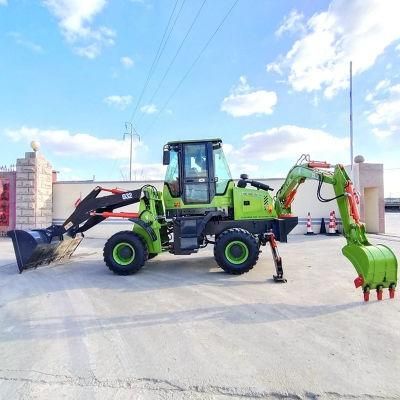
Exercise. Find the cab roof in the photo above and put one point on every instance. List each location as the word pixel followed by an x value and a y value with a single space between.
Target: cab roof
pixel 216 140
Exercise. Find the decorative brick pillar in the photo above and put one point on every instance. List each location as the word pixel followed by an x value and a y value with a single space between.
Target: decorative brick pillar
pixel 34 192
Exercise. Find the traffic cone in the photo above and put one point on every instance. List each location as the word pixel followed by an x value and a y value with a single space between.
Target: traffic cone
pixel 309 225
pixel 332 224
pixel 322 229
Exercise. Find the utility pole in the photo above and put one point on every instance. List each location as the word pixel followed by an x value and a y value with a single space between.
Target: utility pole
pixel 130 131
pixel 351 115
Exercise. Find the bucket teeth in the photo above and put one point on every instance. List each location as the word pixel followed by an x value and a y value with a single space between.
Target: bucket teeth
pixel 359 281
pixel 34 248
pixel 379 293
pixel 392 290
pixel 366 294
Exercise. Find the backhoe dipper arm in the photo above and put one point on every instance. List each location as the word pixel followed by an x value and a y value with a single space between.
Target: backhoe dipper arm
pixel 376 265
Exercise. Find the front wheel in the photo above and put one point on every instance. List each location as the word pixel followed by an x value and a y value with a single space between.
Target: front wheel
pixel 236 251
pixel 125 253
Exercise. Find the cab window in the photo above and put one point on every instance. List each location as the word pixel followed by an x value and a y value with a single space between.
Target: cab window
pixel 196 161
pixel 172 174
pixel 222 171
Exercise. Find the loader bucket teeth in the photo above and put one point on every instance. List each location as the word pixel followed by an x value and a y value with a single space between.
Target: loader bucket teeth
pixel 34 248
pixel 376 267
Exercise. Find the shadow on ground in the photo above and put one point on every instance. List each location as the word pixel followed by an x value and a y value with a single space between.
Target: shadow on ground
pixel 254 313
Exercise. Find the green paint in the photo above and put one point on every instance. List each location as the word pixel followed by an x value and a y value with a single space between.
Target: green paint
pixel 123 253
pixel 236 252
pixel 151 212
pixel 219 201
pixel 252 204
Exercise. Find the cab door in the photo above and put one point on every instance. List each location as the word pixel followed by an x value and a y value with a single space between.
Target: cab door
pixel 198 173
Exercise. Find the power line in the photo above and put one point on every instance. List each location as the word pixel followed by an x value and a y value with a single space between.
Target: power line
pixel 158 54
pixel 172 28
pixel 189 70
pixel 176 54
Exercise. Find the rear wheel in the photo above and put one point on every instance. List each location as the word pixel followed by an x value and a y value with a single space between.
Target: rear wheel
pixel 236 251
pixel 125 253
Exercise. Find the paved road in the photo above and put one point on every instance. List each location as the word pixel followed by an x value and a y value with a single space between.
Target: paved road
pixel 181 329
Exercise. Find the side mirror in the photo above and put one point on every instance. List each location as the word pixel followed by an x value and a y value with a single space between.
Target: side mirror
pixel 166 157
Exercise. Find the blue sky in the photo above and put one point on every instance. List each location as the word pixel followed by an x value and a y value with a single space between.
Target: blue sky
pixel 272 83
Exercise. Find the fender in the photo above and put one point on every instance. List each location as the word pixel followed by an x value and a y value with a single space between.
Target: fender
pixel 148 234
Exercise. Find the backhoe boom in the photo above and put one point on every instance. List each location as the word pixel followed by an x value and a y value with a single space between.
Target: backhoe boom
pixel 376 265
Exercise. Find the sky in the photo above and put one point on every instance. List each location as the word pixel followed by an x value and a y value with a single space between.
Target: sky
pixel 271 78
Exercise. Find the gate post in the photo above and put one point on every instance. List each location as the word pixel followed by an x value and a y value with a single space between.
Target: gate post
pixel 34 191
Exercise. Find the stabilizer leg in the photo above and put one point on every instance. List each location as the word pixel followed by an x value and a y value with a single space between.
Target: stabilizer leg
pixel 270 237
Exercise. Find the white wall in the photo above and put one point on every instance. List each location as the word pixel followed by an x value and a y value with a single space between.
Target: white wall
pixel 65 195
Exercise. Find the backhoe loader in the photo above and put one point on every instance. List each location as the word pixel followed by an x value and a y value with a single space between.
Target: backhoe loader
pixel 200 204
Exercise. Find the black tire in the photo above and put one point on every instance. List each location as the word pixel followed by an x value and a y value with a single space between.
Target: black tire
pixel 236 251
pixel 125 253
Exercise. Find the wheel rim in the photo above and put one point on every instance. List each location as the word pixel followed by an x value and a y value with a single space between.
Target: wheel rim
pixel 236 252
pixel 123 253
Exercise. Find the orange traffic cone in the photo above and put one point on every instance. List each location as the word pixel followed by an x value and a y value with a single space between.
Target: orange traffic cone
pixel 334 221
pixel 332 224
pixel 309 225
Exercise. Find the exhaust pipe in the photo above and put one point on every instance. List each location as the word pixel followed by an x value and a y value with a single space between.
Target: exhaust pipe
pixel 37 247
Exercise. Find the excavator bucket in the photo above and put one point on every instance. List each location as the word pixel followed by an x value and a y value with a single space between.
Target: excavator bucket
pixel 376 267
pixel 35 247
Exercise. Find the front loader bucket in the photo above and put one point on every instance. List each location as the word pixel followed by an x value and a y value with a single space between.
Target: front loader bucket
pixel 34 248
pixel 376 265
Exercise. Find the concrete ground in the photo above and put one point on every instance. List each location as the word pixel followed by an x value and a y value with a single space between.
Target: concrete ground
pixel 182 329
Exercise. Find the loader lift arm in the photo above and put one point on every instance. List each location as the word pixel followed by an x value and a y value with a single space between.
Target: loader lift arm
pixel 376 265
pixel 92 210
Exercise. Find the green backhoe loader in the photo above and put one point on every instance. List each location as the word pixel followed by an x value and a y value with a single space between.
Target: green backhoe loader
pixel 200 204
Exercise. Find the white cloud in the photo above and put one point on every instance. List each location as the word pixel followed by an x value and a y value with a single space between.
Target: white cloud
pixel 22 41
pixel 290 141
pixel 382 134
pixel 291 23
pixel 149 109
pixel 358 30
pixel 379 87
pixel 120 102
pixel 65 143
pixel 244 100
pixel 75 19
pixel 383 84
pixel 90 51
pixel 385 116
pixel 144 172
pixel 127 62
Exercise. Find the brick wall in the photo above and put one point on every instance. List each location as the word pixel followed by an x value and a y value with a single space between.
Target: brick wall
pixel 33 192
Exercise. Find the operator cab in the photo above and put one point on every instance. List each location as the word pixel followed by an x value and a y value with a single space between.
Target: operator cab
pixel 197 170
